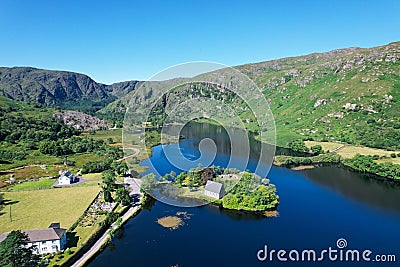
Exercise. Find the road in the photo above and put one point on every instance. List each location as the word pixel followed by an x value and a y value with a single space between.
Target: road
pixel 137 151
pixel 137 198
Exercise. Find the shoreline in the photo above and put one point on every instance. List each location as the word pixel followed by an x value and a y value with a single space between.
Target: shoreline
pixel 105 238
pixel 302 167
pixel 101 243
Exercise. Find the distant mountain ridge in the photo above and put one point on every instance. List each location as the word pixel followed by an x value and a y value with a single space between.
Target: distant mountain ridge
pixel 350 95
pixel 55 88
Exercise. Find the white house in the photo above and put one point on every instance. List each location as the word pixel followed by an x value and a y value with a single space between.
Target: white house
pixel 46 240
pixel 66 178
pixel 214 189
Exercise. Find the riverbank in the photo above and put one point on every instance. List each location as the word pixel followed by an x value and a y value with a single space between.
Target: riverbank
pixel 107 235
pixel 360 163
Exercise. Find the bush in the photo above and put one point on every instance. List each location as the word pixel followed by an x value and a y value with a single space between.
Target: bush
pixel 298 146
pixel 316 150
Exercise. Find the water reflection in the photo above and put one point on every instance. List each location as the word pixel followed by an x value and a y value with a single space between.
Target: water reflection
pixel 360 187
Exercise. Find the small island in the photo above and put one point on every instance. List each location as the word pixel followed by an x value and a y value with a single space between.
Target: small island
pixel 226 187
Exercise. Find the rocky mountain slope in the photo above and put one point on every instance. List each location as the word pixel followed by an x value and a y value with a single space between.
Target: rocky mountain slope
pixel 82 121
pixel 68 90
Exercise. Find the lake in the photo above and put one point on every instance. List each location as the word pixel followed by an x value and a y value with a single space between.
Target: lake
pixel 318 206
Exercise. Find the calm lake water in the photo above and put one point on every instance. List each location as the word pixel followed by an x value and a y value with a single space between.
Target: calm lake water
pixel 318 207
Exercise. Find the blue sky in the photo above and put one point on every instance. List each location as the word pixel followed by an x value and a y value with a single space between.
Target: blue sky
pixel 124 40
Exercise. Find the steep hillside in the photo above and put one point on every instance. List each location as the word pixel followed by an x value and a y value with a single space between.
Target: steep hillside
pixel 67 90
pixel 350 95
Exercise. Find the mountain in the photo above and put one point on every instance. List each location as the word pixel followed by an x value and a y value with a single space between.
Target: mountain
pixel 67 90
pixel 350 95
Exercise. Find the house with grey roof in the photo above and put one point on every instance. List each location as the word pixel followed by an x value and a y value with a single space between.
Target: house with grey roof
pixel 67 178
pixel 214 189
pixel 46 240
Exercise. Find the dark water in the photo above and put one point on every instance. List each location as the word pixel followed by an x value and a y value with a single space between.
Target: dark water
pixel 317 207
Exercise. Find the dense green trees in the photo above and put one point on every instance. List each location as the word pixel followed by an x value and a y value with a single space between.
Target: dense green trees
pixel 109 186
pixel 120 167
pixel 12 155
pixel 96 166
pixel 316 150
pixel 122 196
pixel 152 138
pixel 79 145
pixel 108 179
pixel 288 161
pixel 108 197
pixel 298 146
pixel 250 194
pixel 367 164
pixel 14 253
pixel 23 122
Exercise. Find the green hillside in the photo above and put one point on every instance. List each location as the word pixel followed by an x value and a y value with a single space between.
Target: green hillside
pixel 349 95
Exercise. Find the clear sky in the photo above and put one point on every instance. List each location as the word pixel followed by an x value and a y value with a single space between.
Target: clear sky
pixel 125 40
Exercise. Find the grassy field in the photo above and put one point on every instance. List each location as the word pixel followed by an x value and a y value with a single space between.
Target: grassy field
pixel 392 160
pixel 349 151
pixel 39 208
pixel 81 159
pixel 92 176
pixel 43 183
pixel 325 145
pixel 35 171
pixel 115 134
pixel 28 172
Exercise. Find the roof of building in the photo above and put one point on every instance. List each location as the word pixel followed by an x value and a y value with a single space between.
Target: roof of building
pixel 40 234
pixel 55 225
pixel 214 187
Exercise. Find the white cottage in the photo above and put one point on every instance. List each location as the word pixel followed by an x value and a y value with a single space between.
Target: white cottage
pixel 66 178
pixel 214 189
pixel 46 240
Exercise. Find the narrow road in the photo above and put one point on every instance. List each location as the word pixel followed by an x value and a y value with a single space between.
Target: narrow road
pixel 137 197
pixel 137 151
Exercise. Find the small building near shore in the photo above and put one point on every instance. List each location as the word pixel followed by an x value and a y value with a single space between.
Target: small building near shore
pixel 214 189
pixel 46 240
